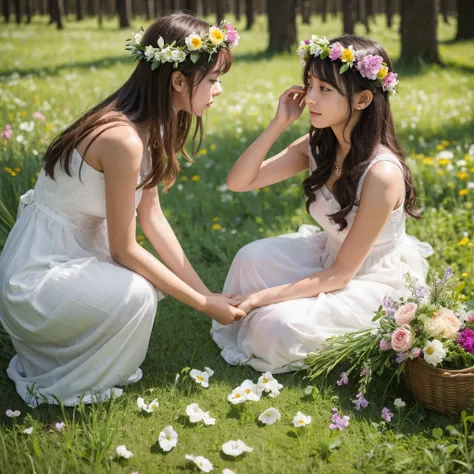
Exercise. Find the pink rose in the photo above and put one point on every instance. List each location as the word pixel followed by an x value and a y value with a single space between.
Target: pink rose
pixel 402 339
pixel 336 51
pixel 405 314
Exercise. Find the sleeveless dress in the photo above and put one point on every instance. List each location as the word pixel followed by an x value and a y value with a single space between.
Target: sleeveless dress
pixel 277 337
pixel 79 322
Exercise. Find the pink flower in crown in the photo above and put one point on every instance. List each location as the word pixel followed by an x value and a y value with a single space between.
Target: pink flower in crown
pixel 336 51
pixel 390 82
pixel 306 41
pixel 231 34
pixel 7 132
pixel 369 66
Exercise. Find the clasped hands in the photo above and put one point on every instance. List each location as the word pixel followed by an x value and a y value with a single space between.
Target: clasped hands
pixel 227 308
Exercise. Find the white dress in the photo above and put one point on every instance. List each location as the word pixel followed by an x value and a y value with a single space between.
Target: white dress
pixel 79 322
pixel 277 337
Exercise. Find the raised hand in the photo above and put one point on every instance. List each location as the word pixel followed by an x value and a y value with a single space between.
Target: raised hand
pixel 290 105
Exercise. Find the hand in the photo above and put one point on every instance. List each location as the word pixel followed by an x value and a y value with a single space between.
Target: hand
pixel 248 302
pixel 290 105
pixel 222 309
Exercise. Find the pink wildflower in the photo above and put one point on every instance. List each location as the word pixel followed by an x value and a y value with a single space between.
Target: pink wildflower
pixel 336 51
pixel 7 132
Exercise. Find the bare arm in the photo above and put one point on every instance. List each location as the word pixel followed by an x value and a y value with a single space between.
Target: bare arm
pixel 164 241
pixel 120 154
pixel 251 171
pixel 380 193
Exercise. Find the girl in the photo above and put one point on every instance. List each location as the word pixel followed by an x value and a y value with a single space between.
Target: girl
pixel 78 294
pixel 303 288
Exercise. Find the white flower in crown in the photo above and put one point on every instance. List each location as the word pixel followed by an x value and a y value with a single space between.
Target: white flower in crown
pixel 302 50
pixel 167 55
pixel 178 55
pixel 150 52
pixel 137 37
pixel 193 42
pixel 216 35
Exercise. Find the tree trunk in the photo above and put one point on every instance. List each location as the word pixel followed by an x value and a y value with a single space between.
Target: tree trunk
pixel 28 11
pixel 206 7
pixel 306 11
pixel 125 13
pixel 249 13
pixel 389 12
pixel 418 32
pixel 6 11
pixel 220 10
pixel 150 9
pixel 18 12
pixel 369 10
pixel 100 12
pixel 465 20
pixel 362 14
pixel 282 26
pixel 348 9
pixel 444 10
pixel 335 7
pixel 91 8
pixel 57 13
pixel 238 9
pixel 79 10
pixel 324 10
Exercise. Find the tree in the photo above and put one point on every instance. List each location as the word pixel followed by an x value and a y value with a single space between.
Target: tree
pixel 348 9
pixel 324 10
pixel 6 11
pixel 282 25
pixel 237 9
pixel 389 12
pixel 28 11
pixel 220 10
pixel 249 13
pixel 57 13
pixel 418 31
pixel 306 11
pixel 465 20
pixel 79 10
pixel 125 13
pixel 18 11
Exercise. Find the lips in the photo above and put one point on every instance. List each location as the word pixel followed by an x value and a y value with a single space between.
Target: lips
pixel 314 113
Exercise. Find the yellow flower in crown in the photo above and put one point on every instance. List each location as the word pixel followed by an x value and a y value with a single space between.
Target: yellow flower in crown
pixel 193 42
pixel 382 73
pixel 216 35
pixel 348 55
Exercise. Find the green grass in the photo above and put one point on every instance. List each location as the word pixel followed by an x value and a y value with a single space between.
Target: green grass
pixel 61 74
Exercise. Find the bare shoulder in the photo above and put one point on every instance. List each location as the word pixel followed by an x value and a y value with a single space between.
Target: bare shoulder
pixel 302 144
pixel 118 146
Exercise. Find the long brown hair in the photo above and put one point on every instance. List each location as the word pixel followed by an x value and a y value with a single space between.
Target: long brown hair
pixel 146 97
pixel 374 127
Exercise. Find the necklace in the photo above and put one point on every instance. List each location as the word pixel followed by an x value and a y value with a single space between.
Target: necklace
pixel 338 169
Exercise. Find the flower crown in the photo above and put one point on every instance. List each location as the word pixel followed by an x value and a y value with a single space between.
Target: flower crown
pixel 224 35
pixel 369 66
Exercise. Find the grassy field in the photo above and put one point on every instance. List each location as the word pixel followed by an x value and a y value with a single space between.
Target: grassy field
pixel 61 74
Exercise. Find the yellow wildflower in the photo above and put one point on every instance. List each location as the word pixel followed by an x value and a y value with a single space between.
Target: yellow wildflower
pixel 266 189
pixel 428 161
pixel 451 185
pixel 12 173
pixel 33 180
pixel 347 55
pixel 462 175
pixel 464 274
pixel 17 170
pixel 23 114
pixel 441 172
pixel 48 127
pixel 444 142
pixel 440 147
pixel 216 227
pixel 212 147
pixel 382 72
pixel 463 192
pixel 184 179
pixel 467 157
pixel 215 219
pixel 203 151
pixel 444 161
pixel 8 170
pixel 469 244
pixel 196 178
pixel 463 241
pixel 472 170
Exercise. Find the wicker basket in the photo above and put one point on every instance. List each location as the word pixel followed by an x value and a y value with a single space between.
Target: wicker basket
pixel 445 391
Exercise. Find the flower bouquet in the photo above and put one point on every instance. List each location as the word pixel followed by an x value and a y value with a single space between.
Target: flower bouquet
pixel 428 335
